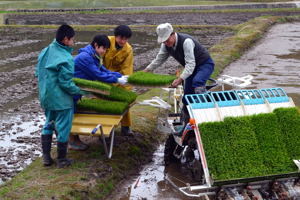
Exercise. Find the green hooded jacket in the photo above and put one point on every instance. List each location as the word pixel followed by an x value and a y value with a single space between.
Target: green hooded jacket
pixel 55 70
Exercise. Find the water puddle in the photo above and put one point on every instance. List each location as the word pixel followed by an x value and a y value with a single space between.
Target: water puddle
pixel 19 144
pixel 274 62
pixel 151 183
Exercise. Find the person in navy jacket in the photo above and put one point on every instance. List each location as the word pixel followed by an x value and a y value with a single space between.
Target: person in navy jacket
pixel 88 65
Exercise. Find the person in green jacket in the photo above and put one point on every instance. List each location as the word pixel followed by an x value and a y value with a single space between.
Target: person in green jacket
pixel 54 70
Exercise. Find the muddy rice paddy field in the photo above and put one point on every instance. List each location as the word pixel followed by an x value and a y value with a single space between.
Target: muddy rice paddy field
pixel 21 117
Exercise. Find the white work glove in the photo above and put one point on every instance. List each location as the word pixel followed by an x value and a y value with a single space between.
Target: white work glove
pixel 123 80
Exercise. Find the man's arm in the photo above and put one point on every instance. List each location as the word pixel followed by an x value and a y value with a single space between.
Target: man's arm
pixel 161 57
pixel 189 57
pixel 190 63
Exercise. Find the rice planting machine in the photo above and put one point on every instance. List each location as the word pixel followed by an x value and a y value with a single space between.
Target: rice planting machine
pixel 185 144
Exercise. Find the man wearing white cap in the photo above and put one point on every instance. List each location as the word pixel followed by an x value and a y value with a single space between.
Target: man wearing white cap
pixel 198 65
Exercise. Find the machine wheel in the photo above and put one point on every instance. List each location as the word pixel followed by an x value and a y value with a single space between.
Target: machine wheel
pixel 170 146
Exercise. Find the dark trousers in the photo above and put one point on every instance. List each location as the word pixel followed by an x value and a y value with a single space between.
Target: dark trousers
pixel 199 77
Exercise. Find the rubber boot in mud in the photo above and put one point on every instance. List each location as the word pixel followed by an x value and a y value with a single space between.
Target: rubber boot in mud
pixel 170 146
pixel 62 160
pixel 46 141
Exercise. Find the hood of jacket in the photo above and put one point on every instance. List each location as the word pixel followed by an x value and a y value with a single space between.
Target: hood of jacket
pixel 88 49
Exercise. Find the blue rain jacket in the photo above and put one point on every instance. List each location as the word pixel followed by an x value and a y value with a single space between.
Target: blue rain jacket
pixel 87 66
pixel 55 70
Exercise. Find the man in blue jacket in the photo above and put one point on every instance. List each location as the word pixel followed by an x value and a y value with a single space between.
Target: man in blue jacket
pixel 55 70
pixel 88 65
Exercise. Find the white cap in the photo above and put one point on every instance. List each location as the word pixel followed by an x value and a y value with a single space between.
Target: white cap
pixel 163 32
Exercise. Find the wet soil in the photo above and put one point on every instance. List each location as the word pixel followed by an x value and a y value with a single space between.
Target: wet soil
pixel 182 18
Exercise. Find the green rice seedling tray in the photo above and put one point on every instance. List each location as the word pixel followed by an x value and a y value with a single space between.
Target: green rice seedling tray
pixel 93 86
pixel 119 94
pixel 256 146
pixel 150 79
pixel 102 106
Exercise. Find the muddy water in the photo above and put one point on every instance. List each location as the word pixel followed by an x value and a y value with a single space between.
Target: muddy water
pixel 150 183
pixel 274 62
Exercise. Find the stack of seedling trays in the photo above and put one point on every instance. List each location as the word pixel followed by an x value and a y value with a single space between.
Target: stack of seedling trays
pixel 241 147
pixel 105 98
pixel 109 99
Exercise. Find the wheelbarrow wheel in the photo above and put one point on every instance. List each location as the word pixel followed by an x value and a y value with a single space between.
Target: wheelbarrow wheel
pixel 170 146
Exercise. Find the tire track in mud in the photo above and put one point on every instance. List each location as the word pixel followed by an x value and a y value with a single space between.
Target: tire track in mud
pixel 17 43
pixel 182 18
pixel 19 58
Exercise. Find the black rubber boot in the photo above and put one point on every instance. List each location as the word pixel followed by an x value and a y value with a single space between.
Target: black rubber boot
pixel 62 161
pixel 126 131
pixel 46 148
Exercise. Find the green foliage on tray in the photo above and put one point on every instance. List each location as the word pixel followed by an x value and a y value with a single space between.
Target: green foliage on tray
pixel 289 122
pixel 238 152
pixel 116 93
pixel 102 106
pixel 272 145
pixel 92 84
pixel 120 94
pixel 150 79
pixel 251 146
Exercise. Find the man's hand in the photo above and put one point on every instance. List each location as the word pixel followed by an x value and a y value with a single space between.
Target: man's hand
pixel 177 82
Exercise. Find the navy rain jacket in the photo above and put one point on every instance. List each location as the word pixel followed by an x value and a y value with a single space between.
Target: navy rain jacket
pixel 87 66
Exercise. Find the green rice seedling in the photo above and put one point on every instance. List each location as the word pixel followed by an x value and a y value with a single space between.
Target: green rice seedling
pixel 257 145
pixel 214 142
pixel 102 106
pixel 120 94
pixel 271 144
pixel 232 143
pixel 150 79
pixel 92 86
pixel 289 122
pixel 246 158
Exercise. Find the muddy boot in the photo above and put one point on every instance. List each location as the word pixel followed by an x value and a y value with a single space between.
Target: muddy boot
pixel 62 161
pixel 76 144
pixel 126 131
pixel 46 148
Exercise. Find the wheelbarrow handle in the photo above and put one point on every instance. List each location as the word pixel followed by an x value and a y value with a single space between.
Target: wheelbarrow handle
pixel 95 129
